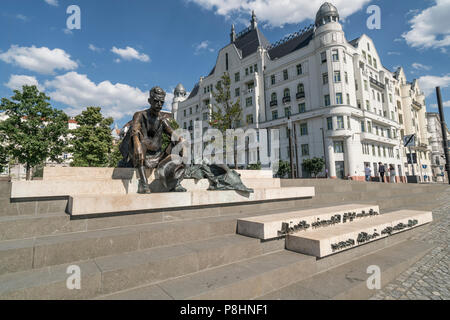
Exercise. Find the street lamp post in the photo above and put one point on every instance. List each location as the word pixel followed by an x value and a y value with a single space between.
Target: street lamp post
pixel 444 132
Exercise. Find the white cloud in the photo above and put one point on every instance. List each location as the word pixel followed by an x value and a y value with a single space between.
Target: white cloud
pixel 431 27
pixel 94 48
pixel 21 17
pixel 276 13
pixel 41 60
pixel 446 104
pixel 130 53
pixel 17 81
pixel 419 66
pixel 78 91
pixel 202 46
pixel 52 2
pixel 429 83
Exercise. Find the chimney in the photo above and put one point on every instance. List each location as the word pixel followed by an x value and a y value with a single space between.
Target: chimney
pixel 232 34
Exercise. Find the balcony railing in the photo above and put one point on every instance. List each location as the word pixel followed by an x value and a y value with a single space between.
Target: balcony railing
pixel 286 99
pixel 377 83
pixel 300 95
pixel 273 103
pixel 417 104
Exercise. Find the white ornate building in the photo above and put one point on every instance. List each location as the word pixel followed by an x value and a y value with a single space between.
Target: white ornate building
pixel 343 104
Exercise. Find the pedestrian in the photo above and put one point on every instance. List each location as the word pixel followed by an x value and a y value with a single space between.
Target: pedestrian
pixel 368 172
pixel 392 174
pixel 381 170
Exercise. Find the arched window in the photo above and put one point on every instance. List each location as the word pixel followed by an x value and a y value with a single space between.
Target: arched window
pixel 274 96
pixel 300 88
pixel 287 93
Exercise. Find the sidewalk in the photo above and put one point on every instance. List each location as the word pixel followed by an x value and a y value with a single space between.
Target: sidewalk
pixel 429 278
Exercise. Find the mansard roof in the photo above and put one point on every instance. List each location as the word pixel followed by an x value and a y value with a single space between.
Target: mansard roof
pixel 354 42
pixel 291 43
pixel 248 41
pixel 194 91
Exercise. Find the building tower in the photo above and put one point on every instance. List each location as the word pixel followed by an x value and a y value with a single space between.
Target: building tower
pixel 330 44
pixel 179 95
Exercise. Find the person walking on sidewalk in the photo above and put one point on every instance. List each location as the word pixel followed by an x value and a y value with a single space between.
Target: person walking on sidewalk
pixel 381 170
pixel 368 172
pixel 392 174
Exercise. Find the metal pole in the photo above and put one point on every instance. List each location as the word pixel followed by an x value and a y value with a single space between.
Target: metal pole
pixel 325 153
pixel 290 148
pixel 412 161
pixel 296 151
pixel 444 132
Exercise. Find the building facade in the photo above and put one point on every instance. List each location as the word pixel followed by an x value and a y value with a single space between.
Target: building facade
pixel 343 105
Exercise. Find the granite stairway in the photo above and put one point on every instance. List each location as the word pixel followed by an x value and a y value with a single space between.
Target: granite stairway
pixel 180 253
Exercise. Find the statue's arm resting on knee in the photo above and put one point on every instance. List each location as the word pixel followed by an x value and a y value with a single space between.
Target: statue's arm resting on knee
pixel 136 135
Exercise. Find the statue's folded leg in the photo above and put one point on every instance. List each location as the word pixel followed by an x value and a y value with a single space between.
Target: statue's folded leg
pixel 143 186
pixel 171 173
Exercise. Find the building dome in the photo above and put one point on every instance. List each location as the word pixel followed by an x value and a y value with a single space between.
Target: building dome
pixel 179 91
pixel 327 13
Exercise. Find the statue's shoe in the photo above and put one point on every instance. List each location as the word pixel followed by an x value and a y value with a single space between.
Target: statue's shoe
pixel 179 188
pixel 144 188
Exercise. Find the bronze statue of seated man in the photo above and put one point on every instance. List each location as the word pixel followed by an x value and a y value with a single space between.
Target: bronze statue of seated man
pixel 142 146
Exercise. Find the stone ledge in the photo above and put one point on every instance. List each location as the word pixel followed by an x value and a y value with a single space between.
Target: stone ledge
pixel 83 174
pixel 99 204
pixel 267 227
pixel 61 188
pixel 319 242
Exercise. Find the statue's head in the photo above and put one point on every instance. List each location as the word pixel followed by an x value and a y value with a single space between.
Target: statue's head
pixel 156 100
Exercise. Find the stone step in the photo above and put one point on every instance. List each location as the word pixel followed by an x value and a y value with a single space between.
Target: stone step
pixel 49 282
pixel 100 204
pixel 31 207
pixel 237 281
pixel 62 188
pixel 30 226
pixel 349 281
pixel 220 280
pixel 127 270
pixel 320 242
pixel 271 226
pixel 33 253
pixel 35 225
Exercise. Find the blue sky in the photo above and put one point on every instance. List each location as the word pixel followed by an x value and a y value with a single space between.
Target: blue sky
pixel 125 47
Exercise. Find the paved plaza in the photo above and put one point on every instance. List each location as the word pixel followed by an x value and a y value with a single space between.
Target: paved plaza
pixel 429 278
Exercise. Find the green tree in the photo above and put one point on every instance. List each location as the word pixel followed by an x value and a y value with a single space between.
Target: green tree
pixel 224 113
pixel 284 168
pixel 314 166
pixel 166 139
pixel 114 156
pixel 254 166
pixel 92 141
pixel 34 131
pixel 3 156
